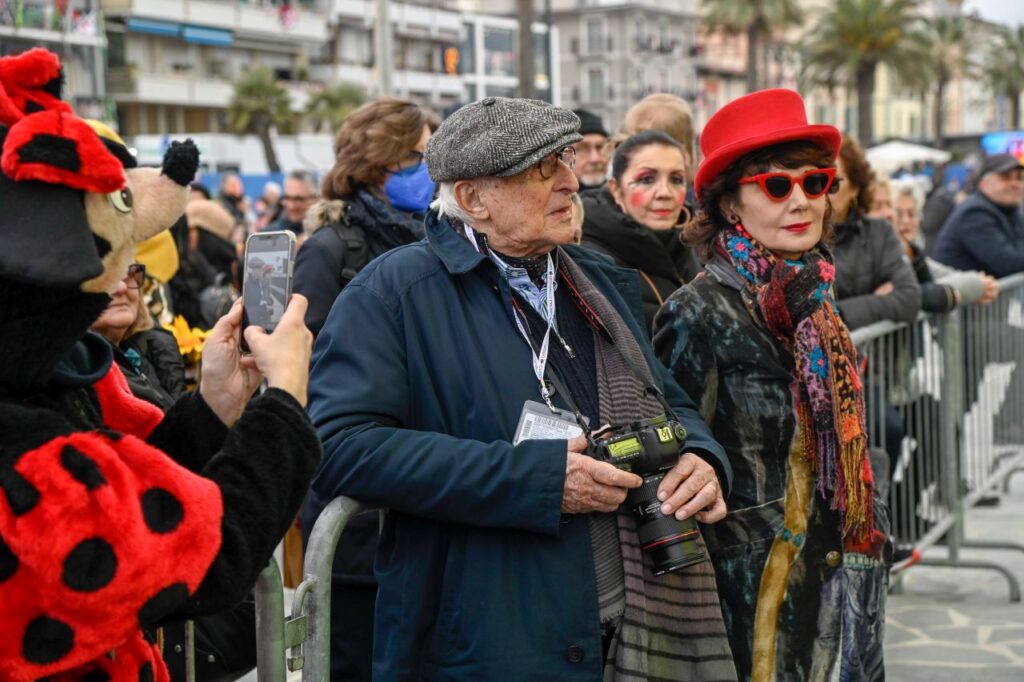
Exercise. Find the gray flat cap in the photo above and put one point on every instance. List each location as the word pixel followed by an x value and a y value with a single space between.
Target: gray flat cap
pixel 498 136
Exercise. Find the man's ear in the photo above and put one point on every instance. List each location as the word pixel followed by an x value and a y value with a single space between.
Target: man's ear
pixel 467 195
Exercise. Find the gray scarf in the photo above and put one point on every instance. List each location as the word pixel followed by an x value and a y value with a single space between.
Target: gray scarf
pixel 671 626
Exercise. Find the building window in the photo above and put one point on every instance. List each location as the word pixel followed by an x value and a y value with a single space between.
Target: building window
pixel 355 46
pixel 595 35
pixel 595 84
pixel 501 91
pixel 499 52
pixel 417 55
pixel 467 50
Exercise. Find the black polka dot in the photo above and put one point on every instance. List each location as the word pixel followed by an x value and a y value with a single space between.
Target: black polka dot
pixel 90 566
pixel 112 435
pixel 162 603
pixel 21 495
pixel 47 641
pixel 146 672
pixel 8 561
pixel 96 676
pixel 162 510
pixel 81 467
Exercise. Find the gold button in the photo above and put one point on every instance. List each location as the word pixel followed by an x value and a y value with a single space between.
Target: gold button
pixel 833 558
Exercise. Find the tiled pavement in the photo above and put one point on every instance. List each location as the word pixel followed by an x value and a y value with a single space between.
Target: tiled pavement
pixel 958 624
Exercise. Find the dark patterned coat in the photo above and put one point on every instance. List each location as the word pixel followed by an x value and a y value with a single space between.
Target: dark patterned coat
pixel 739 374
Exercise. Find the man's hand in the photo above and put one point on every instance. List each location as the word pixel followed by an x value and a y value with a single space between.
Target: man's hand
pixel 226 383
pixel 591 485
pixel 691 488
pixel 991 289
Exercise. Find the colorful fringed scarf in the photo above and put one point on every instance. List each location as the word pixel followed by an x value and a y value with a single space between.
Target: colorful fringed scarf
pixel 794 299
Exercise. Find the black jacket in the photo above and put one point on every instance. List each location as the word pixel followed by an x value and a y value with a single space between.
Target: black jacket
pixel 664 263
pixel 867 254
pixel 327 262
pixel 981 235
pixel 935 297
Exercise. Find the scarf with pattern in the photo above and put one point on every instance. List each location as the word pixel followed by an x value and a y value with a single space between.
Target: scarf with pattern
pixel 794 299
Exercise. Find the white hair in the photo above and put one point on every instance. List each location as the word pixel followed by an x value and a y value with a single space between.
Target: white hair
pixel 908 187
pixel 447 205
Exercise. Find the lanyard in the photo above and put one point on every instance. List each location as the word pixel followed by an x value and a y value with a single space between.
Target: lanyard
pixel 540 358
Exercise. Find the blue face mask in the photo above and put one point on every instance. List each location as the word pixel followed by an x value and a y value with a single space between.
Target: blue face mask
pixel 410 189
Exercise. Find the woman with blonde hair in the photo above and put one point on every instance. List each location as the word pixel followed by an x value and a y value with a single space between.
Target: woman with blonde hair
pixel 373 199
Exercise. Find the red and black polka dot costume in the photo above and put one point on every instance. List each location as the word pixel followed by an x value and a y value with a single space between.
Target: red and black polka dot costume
pixel 115 518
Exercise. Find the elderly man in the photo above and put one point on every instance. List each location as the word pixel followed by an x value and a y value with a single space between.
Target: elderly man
pixel 592 151
pixel 986 231
pixel 300 192
pixel 503 557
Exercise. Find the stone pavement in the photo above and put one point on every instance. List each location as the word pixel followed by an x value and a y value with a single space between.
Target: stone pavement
pixel 957 624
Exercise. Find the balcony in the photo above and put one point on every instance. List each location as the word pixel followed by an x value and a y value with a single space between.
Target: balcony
pixel 420 83
pixel 126 85
pixel 38 22
pixel 408 19
pixel 267 22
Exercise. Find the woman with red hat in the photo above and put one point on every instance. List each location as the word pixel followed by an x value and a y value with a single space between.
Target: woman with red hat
pixel 757 340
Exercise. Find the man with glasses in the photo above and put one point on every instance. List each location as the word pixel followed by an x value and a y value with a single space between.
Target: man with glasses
pixel 451 384
pixel 592 151
pixel 300 191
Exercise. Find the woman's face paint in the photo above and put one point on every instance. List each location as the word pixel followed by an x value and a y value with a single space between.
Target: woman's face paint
pixel 653 187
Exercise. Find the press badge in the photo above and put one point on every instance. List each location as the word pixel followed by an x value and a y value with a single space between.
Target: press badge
pixel 538 422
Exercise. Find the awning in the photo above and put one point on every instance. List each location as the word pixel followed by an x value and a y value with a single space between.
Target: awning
pixel 206 36
pixel 160 28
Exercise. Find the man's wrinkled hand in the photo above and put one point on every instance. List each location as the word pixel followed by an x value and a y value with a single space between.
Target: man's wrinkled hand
pixel 591 485
pixel 691 488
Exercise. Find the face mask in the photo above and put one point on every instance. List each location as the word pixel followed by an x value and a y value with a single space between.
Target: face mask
pixel 410 189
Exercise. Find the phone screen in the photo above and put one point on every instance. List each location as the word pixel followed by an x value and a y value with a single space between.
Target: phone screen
pixel 267 283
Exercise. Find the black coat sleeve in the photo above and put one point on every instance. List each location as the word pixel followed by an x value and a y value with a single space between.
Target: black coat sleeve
pixel 162 351
pixel 890 265
pixel 190 432
pixel 318 275
pixel 263 470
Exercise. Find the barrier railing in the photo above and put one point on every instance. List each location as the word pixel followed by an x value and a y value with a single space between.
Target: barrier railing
pixel 302 640
pixel 945 401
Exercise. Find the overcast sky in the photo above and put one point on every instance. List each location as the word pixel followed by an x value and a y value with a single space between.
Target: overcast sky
pixel 1009 12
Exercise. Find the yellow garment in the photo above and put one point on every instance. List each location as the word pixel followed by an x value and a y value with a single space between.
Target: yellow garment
pixel 103 130
pixel 160 256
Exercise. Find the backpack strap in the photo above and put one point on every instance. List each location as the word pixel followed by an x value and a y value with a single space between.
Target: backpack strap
pixel 349 249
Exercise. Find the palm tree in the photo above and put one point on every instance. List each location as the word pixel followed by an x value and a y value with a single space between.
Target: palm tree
pixel 332 104
pixel 758 19
pixel 257 105
pixel 1004 69
pixel 947 39
pixel 853 37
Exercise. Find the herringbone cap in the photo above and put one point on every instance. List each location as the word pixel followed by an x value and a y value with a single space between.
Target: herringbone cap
pixel 498 136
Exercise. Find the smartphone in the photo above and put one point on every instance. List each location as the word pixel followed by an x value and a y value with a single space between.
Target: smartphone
pixel 267 278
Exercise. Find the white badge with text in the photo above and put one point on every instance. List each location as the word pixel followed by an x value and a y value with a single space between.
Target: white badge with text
pixel 538 422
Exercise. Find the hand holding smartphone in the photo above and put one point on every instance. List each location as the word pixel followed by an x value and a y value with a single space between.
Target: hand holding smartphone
pixel 267 279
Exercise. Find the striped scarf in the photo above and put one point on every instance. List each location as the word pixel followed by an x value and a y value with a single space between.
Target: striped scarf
pixel 671 627
pixel 794 299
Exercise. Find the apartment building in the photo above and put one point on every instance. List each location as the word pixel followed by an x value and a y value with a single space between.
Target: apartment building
pixel 171 65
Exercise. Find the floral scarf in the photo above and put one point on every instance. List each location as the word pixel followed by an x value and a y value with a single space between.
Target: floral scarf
pixel 794 299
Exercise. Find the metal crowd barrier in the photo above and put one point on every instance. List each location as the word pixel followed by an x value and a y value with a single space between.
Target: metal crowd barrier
pixel 945 400
pixel 302 641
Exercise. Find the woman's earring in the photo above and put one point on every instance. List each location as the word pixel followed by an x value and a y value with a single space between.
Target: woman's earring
pixel 685 216
pixel 733 218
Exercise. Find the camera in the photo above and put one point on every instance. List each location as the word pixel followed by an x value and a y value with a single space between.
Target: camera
pixel 649 448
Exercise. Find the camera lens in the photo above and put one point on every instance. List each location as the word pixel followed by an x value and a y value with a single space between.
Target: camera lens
pixel 670 543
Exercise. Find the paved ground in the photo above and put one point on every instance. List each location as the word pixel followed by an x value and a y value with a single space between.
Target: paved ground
pixel 958 624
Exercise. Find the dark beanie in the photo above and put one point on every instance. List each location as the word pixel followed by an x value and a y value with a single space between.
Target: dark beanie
pixel 590 123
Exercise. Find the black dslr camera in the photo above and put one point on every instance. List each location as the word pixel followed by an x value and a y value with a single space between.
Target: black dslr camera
pixel 649 448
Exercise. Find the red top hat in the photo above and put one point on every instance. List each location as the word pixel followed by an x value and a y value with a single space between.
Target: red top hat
pixel 753 121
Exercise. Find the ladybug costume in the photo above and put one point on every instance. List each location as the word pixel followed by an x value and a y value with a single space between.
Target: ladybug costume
pixel 115 518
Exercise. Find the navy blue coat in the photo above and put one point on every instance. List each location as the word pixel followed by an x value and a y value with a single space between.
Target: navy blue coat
pixel 979 235
pixel 419 376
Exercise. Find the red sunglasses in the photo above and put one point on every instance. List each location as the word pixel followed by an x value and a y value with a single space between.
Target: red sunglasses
pixel 778 186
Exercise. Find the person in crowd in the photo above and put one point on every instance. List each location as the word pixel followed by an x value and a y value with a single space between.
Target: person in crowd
pixel 127 319
pixel 942 287
pixel 881 199
pixel 116 517
pixel 197 190
pixel 592 151
pixel 208 275
pixel 667 113
pixel 939 203
pixel 232 197
pixel 268 206
pixel 300 192
pixel 503 556
pixel 986 231
pixel 874 280
pixel 758 342
pixel 374 199
pixel 636 219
